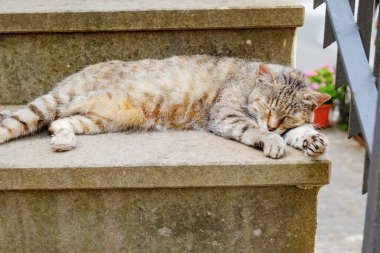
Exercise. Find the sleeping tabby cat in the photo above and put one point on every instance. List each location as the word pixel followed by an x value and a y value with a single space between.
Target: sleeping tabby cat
pixel 265 106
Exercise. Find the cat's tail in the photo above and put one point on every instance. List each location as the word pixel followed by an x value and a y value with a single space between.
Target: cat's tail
pixel 28 120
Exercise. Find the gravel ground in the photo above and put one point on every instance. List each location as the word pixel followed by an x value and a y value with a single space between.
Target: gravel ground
pixel 341 206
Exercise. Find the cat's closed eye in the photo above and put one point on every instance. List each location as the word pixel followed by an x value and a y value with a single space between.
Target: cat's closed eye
pixel 262 108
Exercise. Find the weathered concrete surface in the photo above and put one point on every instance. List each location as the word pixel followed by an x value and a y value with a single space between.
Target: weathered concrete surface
pixel 236 219
pixel 115 15
pixel 156 192
pixel 148 160
pixel 49 6
pixel 31 64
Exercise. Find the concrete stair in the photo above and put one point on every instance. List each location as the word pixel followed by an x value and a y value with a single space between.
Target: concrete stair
pixel 148 192
pixel 156 192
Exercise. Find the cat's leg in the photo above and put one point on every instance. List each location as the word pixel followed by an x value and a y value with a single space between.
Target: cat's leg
pixel 64 129
pixel 237 125
pixel 309 140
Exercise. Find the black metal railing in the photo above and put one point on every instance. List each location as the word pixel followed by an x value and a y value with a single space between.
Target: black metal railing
pixel 353 67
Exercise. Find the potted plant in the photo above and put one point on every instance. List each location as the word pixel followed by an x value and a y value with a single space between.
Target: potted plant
pixel 323 81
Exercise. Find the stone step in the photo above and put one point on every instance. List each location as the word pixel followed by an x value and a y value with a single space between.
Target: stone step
pixel 156 192
pixel 43 41
pixel 145 160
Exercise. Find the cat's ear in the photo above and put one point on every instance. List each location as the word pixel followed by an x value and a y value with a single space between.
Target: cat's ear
pixel 265 72
pixel 316 99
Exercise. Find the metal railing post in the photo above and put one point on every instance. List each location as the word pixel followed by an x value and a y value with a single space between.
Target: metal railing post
pixel 371 240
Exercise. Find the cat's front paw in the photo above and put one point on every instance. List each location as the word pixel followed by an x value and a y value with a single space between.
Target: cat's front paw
pixel 315 145
pixel 274 146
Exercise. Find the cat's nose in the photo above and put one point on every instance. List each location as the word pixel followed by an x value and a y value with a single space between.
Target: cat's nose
pixel 271 129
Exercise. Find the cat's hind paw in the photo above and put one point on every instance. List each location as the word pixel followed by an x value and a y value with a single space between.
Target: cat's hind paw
pixel 65 140
pixel 315 145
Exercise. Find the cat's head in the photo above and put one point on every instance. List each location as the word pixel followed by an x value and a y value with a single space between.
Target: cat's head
pixel 284 100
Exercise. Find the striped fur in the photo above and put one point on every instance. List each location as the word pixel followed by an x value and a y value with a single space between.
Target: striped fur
pixel 238 99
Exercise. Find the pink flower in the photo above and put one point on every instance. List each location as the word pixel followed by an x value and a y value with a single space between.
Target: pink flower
pixel 311 73
pixel 326 66
pixel 332 70
pixel 314 86
pixel 323 84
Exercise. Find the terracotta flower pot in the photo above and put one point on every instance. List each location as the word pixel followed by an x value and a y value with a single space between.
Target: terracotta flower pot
pixel 321 115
